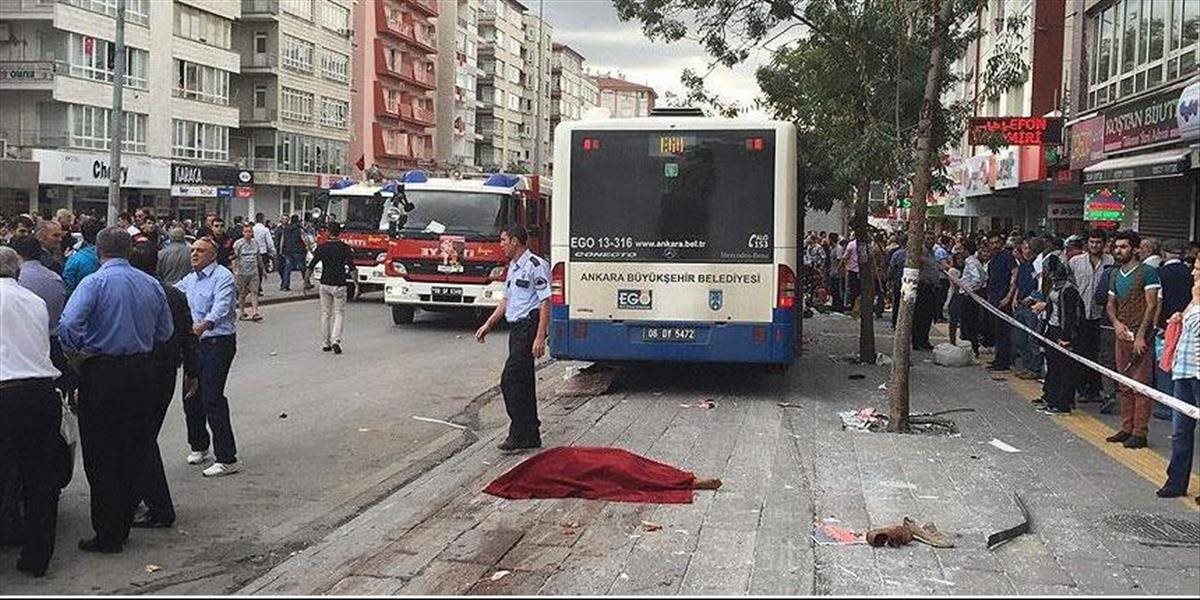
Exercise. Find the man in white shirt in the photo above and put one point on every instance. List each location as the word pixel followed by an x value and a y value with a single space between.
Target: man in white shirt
pixel 266 245
pixel 31 409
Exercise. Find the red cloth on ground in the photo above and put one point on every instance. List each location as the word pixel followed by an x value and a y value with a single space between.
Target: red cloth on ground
pixel 595 474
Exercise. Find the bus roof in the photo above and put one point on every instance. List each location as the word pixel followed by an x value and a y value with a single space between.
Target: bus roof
pixel 673 122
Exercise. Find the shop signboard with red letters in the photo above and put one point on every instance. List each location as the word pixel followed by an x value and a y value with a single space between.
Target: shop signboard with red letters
pixel 1087 142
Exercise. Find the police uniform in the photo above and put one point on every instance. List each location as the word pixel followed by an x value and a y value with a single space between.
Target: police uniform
pixel 525 288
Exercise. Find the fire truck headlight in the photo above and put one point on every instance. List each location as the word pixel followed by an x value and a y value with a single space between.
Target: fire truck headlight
pixel 398 268
pixel 381 258
pixel 497 274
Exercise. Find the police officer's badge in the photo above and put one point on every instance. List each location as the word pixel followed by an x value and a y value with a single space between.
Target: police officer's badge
pixel 716 299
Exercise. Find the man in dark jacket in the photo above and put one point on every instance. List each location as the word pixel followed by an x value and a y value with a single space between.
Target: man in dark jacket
pixel 292 248
pixel 1064 317
pixel 166 358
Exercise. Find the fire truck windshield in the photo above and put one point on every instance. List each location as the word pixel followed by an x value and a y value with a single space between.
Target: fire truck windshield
pixel 363 213
pixel 472 214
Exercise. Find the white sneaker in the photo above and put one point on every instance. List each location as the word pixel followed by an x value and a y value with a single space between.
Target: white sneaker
pixel 195 458
pixel 221 469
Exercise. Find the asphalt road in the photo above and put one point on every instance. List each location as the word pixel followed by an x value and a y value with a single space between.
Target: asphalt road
pixel 347 440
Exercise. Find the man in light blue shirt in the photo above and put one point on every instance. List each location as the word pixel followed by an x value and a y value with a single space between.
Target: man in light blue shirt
pixel 526 307
pixel 212 298
pixel 112 322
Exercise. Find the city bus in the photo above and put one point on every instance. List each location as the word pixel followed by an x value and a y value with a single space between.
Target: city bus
pixel 673 238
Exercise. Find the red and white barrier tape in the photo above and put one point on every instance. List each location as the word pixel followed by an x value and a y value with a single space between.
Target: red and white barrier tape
pixel 1139 387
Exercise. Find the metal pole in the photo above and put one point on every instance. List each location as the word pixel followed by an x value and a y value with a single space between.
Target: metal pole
pixel 537 127
pixel 116 121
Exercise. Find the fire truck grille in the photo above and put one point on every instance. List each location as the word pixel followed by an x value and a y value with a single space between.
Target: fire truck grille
pixel 430 267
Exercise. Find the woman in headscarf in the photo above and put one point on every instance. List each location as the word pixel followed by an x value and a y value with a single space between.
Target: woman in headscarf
pixel 1064 313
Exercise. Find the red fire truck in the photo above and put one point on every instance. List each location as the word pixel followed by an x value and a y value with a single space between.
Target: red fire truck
pixel 366 211
pixel 447 255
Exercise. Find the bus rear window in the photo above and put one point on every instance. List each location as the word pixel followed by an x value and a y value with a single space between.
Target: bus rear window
pixel 672 196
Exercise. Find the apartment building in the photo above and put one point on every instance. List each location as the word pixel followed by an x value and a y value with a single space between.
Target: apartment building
pixel 58 60
pixel 293 96
pixel 501 90
pixel 395 79
pixel 625 99
pixel 572 91
pixel 535 130
pixel 458 77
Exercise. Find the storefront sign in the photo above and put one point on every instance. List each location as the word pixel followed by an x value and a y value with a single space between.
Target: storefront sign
pixel 244 192
pixel 92 169
pixel 1172 166
pixel 1188 112
pixel 1071 211
pixel 218 175
pixel 1151 120
pixel 1105 204
pixel 1015 131
pixel 1087 142
pixel 21 71
pixel 978 175
pixel 1007 169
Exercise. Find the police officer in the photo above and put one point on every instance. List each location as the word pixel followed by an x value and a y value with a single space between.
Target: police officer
pixel 526 307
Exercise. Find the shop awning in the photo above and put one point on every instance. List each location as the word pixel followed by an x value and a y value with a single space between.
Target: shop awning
pixel 1153 165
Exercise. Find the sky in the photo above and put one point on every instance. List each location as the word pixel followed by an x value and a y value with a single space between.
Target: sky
pixel 591 28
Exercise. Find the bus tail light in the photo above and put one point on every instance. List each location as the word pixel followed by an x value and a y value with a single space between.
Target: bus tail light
pixel 786 297
pixel 558 284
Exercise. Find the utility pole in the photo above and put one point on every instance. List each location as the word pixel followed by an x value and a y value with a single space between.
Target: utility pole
pixel 537 127
pixel 116 121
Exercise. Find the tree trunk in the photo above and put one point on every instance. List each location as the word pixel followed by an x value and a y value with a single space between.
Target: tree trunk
pixel 902 346
pixel 866 294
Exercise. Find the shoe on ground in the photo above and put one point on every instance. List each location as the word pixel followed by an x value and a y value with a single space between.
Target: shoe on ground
pixel 1166 492
pixel 95 545
pixel 1054 410
pixel 221 469
pixel 512 446
pixel 1119 436
pixel 196 458
pixel 1135 441
pixel 326 348
pixel 337 348
pixel 150 522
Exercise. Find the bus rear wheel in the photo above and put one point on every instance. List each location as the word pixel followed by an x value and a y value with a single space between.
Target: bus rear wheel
pixel 403 315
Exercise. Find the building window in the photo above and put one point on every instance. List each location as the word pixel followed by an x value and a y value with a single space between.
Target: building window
pixel 296 105
pixel 260 96
pixel 200 26
pixel 335 66
pixel 94 58
pixel 136 11
pixel 260 42
pixel 1133 46
pixel 199 140
pixel 200 82
pixel 514 102
pixel 309 154
pixel 89 129
pixel 333 17
pixel 297 54
pixel 334 113
pixel 299 8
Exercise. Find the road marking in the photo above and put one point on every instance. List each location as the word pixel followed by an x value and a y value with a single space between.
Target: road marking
pixel 1148 464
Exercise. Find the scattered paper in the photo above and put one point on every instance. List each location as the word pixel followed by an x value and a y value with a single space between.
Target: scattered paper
pixel 441 422
pixel 788 487
pixel 365 429
pixel 883 386
pixel 833 535
pixel 706 404
pixel 153 568
pixel 274 354
pixel 624 575
pixel 1002 446
pixel 439 229
pixel 681 531
pixel 941 581
pixel 498 575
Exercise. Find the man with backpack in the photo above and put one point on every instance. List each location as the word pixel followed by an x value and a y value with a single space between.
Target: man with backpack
pixel 1089 271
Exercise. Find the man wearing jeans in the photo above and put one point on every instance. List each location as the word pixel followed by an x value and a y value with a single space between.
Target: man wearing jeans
pixel 1186 372
pixel 1087 270
pixel 211 297
pixel 336 260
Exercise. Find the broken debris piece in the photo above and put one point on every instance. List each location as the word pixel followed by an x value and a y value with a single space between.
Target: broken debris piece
pixel 649 526
pixel 999 445
pixel 498 575
pixel 1003 536
pixel 826 534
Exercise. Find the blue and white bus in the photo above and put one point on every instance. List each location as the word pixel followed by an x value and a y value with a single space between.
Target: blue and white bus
pixel 673 238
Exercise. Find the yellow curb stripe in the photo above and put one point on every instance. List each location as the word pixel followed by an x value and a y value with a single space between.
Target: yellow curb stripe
pixel 1149 465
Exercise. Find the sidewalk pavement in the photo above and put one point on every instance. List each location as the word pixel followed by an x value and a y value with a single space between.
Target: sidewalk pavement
pixel 783 469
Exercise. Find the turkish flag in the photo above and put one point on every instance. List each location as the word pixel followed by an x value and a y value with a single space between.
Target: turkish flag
pixel 361 163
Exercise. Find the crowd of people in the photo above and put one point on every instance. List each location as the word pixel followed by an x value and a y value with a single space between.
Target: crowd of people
pixel 97 322
pixel 1110 297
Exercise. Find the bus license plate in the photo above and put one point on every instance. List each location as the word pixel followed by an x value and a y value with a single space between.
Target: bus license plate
pixel 455 292
pixel 669 334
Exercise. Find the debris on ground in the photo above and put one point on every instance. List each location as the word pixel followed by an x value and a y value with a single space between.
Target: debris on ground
pixel 892 535
pixel 996 443
pixel 705 404
pixel 827 534
pixel 365 430
pixel 649 526
pixel 1025 526
pixel 498 575
pixel 856 376
pixel 928 534
pixel 592 380
pixel 869 419
pixel 153 568
pixel 948 355
pixel 274 354
pixel 440 422
pixel 883 360
pixel 789 405
pixel 283 415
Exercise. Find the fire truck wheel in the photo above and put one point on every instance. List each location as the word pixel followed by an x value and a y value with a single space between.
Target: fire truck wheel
pixel 403 315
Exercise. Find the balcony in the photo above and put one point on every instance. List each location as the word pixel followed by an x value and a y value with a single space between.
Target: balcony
pixel 29 74
pixel 429 7
pixel 259 117
pixel 423 116
pixel 417 37
pixel 259 62
pixel 260 10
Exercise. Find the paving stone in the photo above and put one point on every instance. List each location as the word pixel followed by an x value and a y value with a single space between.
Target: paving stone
pixel 445 578
pixel 357 585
